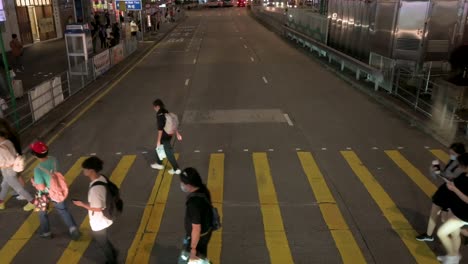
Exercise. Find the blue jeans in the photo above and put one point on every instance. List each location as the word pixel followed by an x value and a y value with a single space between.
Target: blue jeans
pixel 64 213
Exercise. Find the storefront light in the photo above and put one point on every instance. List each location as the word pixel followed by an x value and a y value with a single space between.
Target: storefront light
pixel 18 2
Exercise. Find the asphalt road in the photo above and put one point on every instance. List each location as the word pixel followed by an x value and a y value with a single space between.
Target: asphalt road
pixel 304 168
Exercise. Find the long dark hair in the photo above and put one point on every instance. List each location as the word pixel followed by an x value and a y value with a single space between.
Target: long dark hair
pixel 192 177
pixel 10 134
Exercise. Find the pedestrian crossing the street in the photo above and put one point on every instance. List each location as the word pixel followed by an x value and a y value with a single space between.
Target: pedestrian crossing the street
pixel 153 213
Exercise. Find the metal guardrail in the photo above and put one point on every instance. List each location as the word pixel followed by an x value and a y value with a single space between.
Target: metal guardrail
pixel 344 60
pixel 34 104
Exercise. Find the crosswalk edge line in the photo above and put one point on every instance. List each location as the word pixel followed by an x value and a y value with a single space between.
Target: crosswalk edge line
pixel 420 251
pixel 31 224
pixel 75 249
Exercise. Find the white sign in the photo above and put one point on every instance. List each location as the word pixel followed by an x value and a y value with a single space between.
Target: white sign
pixel 101 63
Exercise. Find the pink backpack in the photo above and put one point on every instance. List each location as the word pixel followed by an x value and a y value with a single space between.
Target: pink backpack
pixel 58 190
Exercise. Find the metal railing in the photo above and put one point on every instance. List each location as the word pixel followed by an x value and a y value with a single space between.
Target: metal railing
pixel 34 104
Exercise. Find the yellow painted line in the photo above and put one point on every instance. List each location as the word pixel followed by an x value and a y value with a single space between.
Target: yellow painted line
pixel 344 240
pixel 31 224
pixel 441 155
pixel 216 187
pixel 98 97
pixel 76 249
pixel 420 251
pixel 413 173
pixel 142 245
pixel 275 236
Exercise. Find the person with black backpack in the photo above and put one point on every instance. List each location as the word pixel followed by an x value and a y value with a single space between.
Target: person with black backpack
pixel 103 204
pixel 201 219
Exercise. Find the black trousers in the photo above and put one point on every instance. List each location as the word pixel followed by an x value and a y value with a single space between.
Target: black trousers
pixel 169 153
pixel 202 246
pixel 106 246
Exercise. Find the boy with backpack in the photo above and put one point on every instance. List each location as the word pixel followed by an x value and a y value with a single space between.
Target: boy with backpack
pixel 103 205
pixel 51 186
pixel 167 127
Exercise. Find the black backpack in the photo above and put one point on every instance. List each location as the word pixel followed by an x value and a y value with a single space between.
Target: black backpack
pixel 114 204
pixel 215 218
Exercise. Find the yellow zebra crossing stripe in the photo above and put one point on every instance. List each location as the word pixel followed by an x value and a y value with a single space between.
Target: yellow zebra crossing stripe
pixel 29 227
pixel 216 187
pixel 440 154
pixel 142 245
pixel 415 175
pixel 344 240
pixel 76 249
pixel 420 251
pixel 275 236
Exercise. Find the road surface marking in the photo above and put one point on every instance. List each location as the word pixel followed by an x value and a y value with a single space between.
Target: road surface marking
pixel 245 46
pixel 144 152
pixel 271 150
pixel 400 148
pixel 75 250
pixel 246 150
pixel 441 155
pixel 275 236
pixel 290 123
pixel 197 151
pixel 252 59
pixel 348 148
pixel 426 147
pixel 14 245
pixel 220 150
pixel 142 245
pixel 92 154
pixel 216 187
pixel 344 239
pixel 187 82
pixel 265 79
pixel 324 148
pixel 413 173
pixel 194 61
pixel 69 155
pixel 298 149
pixel 118 153
pixel 420 251
pixel 375 148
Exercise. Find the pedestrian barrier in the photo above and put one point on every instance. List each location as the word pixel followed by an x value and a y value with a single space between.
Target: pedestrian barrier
pixel 36 103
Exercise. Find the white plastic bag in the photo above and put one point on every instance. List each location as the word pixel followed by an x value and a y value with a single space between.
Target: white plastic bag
pixel 161 152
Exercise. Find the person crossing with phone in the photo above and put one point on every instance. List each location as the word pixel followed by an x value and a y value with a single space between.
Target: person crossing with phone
pixel 167 127
pixel 103 203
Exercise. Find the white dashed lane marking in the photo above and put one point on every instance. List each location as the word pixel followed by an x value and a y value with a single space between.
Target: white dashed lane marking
pixel 265 79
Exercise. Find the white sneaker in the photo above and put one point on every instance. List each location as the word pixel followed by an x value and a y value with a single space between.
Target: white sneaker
pixel 20 198
pixel 449 259
pixel 157 166
pixel 172 171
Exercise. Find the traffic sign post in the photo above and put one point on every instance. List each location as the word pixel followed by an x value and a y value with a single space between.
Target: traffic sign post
pixel 131 5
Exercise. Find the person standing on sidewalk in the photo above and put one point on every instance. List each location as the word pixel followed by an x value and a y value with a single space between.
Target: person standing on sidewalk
pixel 164 139
pixel 198 214
pixel 96 204
pixel 10 177
pixel 17 52
pixel 41 182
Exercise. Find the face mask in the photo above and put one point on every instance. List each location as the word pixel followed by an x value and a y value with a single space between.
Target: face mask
pixel 183 188
pixel 453 157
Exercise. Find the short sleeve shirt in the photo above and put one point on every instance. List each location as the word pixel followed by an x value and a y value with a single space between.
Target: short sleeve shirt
pixel 161 120
pixel 198 211
pixel 97 199
pixel 42 177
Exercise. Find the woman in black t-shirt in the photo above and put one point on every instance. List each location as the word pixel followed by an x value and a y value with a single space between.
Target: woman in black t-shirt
pixel 198 214
pixel 449 232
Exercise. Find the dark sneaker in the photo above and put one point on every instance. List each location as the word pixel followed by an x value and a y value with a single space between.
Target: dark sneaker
pixel 46 235
pixel 75 235
pixel 425 237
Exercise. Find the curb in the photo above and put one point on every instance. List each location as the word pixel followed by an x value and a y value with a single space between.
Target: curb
pixel 53 126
